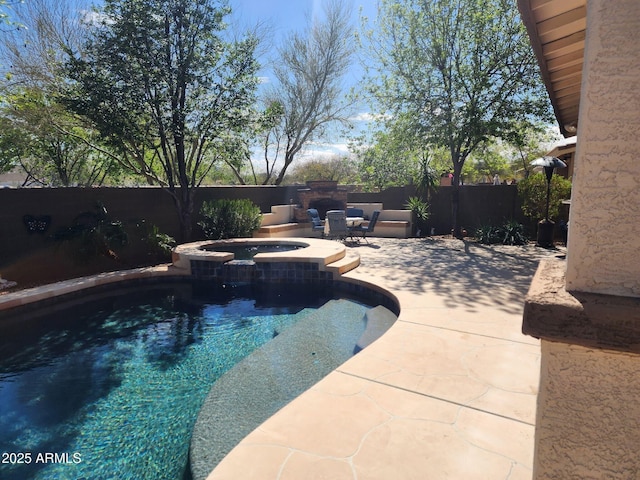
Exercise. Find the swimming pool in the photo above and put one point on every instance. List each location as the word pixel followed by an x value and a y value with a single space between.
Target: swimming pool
pixel 111 388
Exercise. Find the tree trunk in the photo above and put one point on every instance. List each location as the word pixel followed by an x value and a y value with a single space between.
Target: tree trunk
pixel 455 208
pixel 456 230
pixel 184 202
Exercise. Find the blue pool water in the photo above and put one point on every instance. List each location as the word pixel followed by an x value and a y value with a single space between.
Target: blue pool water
pixel 111 388
pixel 247 252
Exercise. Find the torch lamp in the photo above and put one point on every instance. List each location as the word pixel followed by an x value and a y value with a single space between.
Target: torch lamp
pixel 545 227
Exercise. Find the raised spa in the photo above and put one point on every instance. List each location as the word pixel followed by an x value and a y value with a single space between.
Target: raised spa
pixel 247 250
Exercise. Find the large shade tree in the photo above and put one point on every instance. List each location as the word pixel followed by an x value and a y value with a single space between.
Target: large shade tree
pixel 462 70
pixel 47 143
pixel 52 146
pixel 308 91
pixel 167 88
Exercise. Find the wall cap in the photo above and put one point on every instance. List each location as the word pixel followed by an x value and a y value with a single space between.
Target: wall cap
pixel 587 319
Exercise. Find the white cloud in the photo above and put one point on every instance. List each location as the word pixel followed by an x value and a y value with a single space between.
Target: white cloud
pixel 91 17
pixel 369 117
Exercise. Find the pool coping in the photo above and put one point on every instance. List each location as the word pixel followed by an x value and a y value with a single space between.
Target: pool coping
pixel 318 251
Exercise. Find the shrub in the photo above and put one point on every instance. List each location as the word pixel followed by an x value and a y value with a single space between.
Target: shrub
pixel 420 210
pixel 158 245
pixel 510 233
pixel 533 192
pixel 488 234
pixel 229 218
pixel 94 234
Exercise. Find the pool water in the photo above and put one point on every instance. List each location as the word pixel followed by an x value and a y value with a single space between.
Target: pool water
pixel 112 388
pixel 247 252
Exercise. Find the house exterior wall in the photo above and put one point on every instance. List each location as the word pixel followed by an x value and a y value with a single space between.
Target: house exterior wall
pixel 588 417
pixel 587 312
pixel 604 236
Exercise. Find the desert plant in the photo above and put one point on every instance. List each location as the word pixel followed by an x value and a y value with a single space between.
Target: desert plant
pixel 95 233
pixel 420 210
pixel 158 244
pixel 488 234
pixel 533 193
pixel 509 233
pixel 512 233
pixel 229 218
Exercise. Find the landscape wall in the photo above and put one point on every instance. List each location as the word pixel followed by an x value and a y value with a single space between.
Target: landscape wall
pixel 480 205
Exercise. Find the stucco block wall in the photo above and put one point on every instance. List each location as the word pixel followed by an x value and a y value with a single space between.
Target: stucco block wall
pixel 604 235
pixel 588 423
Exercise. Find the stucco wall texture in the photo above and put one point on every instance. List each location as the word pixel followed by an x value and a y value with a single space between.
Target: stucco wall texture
pixel 592 394
pixel 604 235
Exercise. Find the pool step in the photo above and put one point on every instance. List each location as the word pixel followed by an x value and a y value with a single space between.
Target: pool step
pixel 345 264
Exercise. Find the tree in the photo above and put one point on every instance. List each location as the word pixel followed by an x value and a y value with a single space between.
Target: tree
pixel 336 168
pixel 530 141
pixel 52 145
pixel 5 18
pixel 461 70
pixel 309 70
pixel 486 161
pixel 385 163
pixel 166 90
pixel 394 156
pixel 43 139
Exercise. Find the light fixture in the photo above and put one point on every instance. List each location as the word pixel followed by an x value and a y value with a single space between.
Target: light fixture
pixel 545 227
pixel 571 128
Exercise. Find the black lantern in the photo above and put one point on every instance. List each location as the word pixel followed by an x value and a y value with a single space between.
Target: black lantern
pixel 545 227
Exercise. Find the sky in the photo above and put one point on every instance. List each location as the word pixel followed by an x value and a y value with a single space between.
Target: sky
pixel 285 16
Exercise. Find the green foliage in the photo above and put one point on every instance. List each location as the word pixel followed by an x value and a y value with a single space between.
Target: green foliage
pixel 49 144
pixel 396 157
pixel 488 234
pixel 528 141
pixel 159 244
pixel 510 233
pixel 340 169
pixel 421 212
pixel 166 88
pixel 533 193
pixel 94 234
pixel 229 218
pixel 460 72
pixel 419 207
pixel 486 161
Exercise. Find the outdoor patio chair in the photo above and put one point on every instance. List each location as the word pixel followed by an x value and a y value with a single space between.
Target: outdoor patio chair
pixel 355 212
pixel 337 220
pixel 317 225
pixel 368 228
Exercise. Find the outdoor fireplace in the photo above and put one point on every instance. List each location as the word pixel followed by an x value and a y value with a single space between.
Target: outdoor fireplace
pixel 323 195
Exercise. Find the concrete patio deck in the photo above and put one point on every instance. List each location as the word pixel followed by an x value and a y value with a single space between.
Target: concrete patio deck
pixel 449 392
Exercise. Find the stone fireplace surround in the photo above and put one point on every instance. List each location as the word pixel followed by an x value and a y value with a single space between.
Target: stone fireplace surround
pixel 322 195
